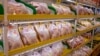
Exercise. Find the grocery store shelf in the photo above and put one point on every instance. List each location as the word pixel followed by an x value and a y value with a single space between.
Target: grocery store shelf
pixel 86 16
pixel 67 51
pixel 48 42
pixel 43 17
pixel 37 17
pixel 40 44
pixel 1 54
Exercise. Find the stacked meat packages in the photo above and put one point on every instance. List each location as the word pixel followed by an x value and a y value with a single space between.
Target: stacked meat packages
pixel 84 24
pixel 87 35
pixel 83 51
pixel 27 34
pixel 81 10
pixel 55 49
pixel 62 9
pixel 75 41
pixel 41 8
pixel 18 8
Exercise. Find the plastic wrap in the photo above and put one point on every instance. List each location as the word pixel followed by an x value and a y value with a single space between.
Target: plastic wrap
pixel 53 30
pixel 14 40
pixel 42 31
pixel 47 51
pixel 18 8
pixel 57 49
pixel 75 41
pixel 42 8
pixel 28 34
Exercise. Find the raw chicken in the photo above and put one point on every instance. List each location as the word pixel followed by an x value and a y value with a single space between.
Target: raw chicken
pixel 14 40
pixel 42 31
pixel 28 34
pixel 17 8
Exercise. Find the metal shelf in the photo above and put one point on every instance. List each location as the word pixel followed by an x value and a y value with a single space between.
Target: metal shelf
pixel 48 42
pixel 43 17
pixel 37 17
pixel 86 16
pixel 67 51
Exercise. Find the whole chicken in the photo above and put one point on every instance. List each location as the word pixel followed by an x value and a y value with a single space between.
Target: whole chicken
pixel 42 31
pixel 17 8
pixel 42 8
pixel 28 34
pixel 14 40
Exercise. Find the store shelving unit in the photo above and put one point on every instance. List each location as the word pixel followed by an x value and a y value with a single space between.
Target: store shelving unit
pixel 48 42
pixel 51 41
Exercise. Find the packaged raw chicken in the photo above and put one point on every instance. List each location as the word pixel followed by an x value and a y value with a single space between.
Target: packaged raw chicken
pixel 80 28
pixel 86 49
pixel 78 9
pixel 28 34
pixel 69 27
pixel 53 30
pixel 14 40
pixel 85 23
pixel 57 48
pixel 83 51
pixel 47 51
pixel 65 28
pixel 82 10
pixel 18 8
pixel 61 30
pixel 66 10
pixel 79 40
pixel 72 43
pixel 58 9
pixel 31 53
pixel 36 54
pixel 42 8
pixel 75 41
pixel 90 11
pixel 87 35
pixel 42 31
